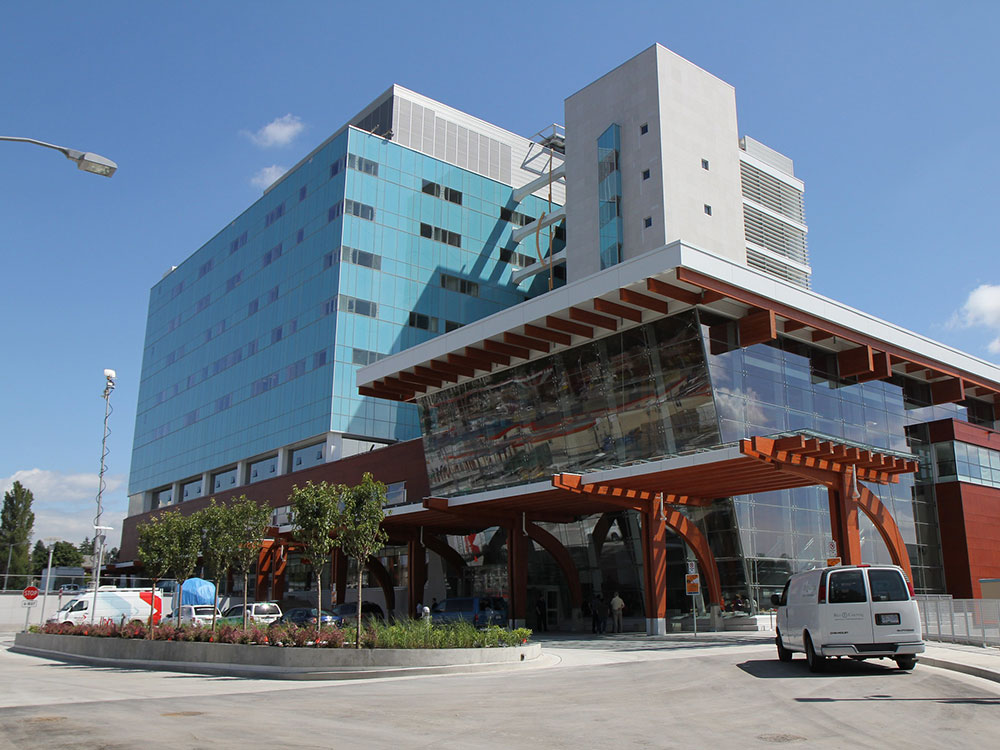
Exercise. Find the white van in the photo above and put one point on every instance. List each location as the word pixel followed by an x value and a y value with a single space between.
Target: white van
pixel 859 611
pixel 113 605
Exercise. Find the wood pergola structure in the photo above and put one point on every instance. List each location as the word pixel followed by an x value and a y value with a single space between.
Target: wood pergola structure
pixel 659 496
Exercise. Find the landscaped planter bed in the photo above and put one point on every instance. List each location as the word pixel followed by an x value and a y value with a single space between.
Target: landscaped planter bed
pixel 263 660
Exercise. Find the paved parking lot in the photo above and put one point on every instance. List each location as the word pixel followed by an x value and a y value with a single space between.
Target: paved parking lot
pixel 622 692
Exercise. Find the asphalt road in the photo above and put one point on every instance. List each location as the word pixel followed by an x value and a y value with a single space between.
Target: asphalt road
pixel 622 694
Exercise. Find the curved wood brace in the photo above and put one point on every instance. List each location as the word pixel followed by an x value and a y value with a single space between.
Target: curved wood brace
pixel 450 555
pixel 887 528
pixel 377 569
pixel 600 532
pixel 686 530
pixel 554 547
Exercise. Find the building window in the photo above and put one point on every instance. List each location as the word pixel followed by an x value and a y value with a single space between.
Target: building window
pixel 357 306
pixel 302 193
pixel 234 281
pixel 463 286
pixel 609 197
pixel 264 384
pixel 274 214
pixel 363 357
pixel 263 469
pixel 708 209
pixel 360 210
pixel 224 479
pixel 177 290
pixel 303 458
pixel 362 164
pixel 452 325
pixel 272 255
pixel 253 307
pixel 295 370
pixel 337 166
pixel 221 404
pixel 299 236
pixel 360 258
pixel 276 335
pixel 704 163
pixel 203 303
pixel 516 218
pixel 644 128
pixel 190 418
pixel 205 268
pixel 237 243
pixel 191 489
pixel 518 260
pixel 272 295
pixel 439 191
pixel 319 359
pixel 441 235
pixel 647 222
pixel 645 174
pixel 423 322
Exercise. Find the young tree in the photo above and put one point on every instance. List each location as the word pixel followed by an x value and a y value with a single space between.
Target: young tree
pixel 16 525
pixel 184 551
pixel 360 532
pixel 157 539
pixel 250 523
pixel 220 544
pixel 315 518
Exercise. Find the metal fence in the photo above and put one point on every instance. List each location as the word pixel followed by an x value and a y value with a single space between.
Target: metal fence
pixel 975 621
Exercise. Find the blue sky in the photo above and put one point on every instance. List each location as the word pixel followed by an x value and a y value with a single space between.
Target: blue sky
pixel 889 110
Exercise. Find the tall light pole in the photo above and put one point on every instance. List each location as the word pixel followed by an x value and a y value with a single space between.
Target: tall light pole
pixel 48 576
pixel 85 160
pixel 109 386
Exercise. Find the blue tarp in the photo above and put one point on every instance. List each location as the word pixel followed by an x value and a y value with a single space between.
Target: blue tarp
pixel 198 591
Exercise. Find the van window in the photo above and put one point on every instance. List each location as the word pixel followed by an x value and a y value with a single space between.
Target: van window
pixel 847 588
pixel 81 604
pixel 887 586
pixel 784 595
pixel 266 609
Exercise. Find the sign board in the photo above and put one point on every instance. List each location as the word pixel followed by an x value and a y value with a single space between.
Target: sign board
pixel 831 548
pixel 831 561
pixel 28 602
pixel 692 584
pixel 30 593
pixel 692 567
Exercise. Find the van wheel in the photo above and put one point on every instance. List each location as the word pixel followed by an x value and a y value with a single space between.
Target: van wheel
pixel 816 662
pixel 906 662
pixel 783 653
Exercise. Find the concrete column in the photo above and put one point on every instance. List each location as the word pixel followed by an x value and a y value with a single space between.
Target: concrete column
pixel 654 569
pixel 206 484
pixel 176 493
pixel 241 473
pixel 284 461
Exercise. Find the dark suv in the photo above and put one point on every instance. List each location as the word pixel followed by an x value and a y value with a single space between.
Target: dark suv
pixel 347 613
pixel 478 610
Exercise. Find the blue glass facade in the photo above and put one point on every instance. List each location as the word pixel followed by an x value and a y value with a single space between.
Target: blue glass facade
pixel 252 342
pixel 609 197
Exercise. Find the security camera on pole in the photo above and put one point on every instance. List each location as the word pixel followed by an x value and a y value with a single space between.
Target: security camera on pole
pixel 109 386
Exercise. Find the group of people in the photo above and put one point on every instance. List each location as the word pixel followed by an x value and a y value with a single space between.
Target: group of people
pixel 739 604
pixel 600 610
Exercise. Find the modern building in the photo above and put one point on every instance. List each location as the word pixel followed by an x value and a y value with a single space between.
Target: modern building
pixel 675 400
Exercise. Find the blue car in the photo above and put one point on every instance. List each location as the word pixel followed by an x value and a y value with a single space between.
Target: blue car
pixel 305 616
pixel 481 611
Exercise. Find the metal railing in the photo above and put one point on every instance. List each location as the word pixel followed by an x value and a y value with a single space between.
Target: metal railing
pixel 974 621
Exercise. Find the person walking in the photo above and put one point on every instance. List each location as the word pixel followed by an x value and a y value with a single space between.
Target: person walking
pixel 541 614
pixel 617 608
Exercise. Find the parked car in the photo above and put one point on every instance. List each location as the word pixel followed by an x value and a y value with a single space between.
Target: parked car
pixel 481 611
pixel 112 605
pixel 69 588
pixel 347 613
pixel 257 612
pixel 196 614
pixel 859 611
pixel 305 616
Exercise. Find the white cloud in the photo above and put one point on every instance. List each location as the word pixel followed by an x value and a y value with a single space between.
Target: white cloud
pixel 267 176
pixel 981 308
pixel 279 132
pixel 65 504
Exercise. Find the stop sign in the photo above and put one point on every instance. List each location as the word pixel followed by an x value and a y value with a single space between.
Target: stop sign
pixel 30 593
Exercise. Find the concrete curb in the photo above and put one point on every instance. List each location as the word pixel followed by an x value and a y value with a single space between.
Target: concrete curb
pixel 955 666
pixel 268 662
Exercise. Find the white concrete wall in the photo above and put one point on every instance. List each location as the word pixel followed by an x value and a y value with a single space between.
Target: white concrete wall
pixel 691 115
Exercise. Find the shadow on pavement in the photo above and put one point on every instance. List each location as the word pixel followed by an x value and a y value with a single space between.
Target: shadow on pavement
pixel 771 669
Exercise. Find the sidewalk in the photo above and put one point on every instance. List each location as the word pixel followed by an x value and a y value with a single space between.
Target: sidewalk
pixel 957 657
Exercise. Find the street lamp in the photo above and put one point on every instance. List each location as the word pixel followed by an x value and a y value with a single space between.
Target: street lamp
pixel 48 576
pixel 85 160
pixel 109 386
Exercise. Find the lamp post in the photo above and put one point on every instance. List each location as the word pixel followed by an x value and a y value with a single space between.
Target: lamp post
pixel 85 160
pixel 48 577
pixel 109 386
pixel 10 552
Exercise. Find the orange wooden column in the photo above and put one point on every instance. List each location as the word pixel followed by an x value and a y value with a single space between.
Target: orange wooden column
pixel 654 569
pixel 517 574
pixel 265 559
pixel 280 565
pixel 844 521
pixel 417 575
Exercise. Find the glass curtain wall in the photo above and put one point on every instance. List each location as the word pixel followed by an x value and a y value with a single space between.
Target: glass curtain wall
pixel 609 197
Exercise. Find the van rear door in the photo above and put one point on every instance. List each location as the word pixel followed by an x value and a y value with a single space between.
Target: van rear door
pixel 847 616
pixel 895 615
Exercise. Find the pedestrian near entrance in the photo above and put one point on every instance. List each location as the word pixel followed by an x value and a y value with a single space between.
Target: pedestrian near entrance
pixel 617 608
pixel 541 614
pixel 599 614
